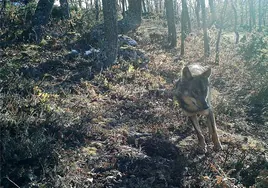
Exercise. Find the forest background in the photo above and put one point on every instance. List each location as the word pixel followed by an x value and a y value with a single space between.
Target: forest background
pixel 86 92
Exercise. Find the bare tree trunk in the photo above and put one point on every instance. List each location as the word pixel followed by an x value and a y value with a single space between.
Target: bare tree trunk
pixel 264 13
pixel 2 11
pixel 222 16
pixel 185 26
pixel 135 10
pixel 123 8
pixel 176 9
pixel 205 32
pixel 172 36
pixel 252 16
pixel 246 14
pixel 41 18
pixel 160 6
pixel 110 31
pixel 65 8
pixel 4 5
pixel 156 6
pixel 148 6
pixel 213 12
pixel 197 13
pixel 242 14
pixel 235 22
pixel 188 20
pixel 260 15
pixel 97 10
pixel 80 3
pixel 144 6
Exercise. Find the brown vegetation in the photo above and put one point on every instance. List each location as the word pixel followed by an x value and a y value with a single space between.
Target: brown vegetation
pixel 65 125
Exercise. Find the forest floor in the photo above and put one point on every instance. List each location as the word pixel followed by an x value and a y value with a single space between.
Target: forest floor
pixel 65 126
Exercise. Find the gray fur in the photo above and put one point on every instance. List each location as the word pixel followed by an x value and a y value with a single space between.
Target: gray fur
pixel 193 93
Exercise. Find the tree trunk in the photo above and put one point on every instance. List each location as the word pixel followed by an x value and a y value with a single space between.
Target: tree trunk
pixel 204 25
pixel 264 13
pixel 172 36
pixel 252 16
pixel 123 8
pixel 97 10
pixel 176 10
pixel 65 8
pixel 246 14
pixel 235 22
pixel 197 13
pixel 213 12
pixel 148 6
pixel 222 16
pixel 134 9
pixel 184 24
pixel 4 5
pixel 188 20
pixel 144 6
pixel 260 16
pixel 110 31
pixel 3 11
pixel 242 14
pixel 41 18
pixel 80 4
pixel 156 6
pixel 160 6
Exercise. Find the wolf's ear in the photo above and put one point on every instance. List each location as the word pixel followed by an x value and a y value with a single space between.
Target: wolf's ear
pixel 207 73
pixel 186 73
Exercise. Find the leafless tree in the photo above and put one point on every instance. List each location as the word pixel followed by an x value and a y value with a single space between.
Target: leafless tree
pixel 172 36
pixel 110 31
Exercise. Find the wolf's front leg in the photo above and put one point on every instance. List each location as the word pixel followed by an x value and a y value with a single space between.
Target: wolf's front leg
pixel 201 140
pixel 213 131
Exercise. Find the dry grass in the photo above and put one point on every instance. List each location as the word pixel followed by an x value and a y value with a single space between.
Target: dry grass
pixel 117 130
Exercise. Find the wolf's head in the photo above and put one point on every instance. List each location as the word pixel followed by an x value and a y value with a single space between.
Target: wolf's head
pixel 193 88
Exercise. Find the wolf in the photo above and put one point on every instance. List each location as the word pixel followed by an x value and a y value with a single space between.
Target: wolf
pixel 193 93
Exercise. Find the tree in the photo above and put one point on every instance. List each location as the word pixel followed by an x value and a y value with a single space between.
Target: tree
pixel 172 36
pixel 242 14
pixel 97 11
pixel 252 16
pixel 134 11
pixel 65 9
pixel 110 31
pixel 132 20
pixel 213 12
pixel 188 20
pixel 4 5
pixel 144 6
pixel 221 21
pixel 123 8
pixel 148 6
pixel 41 18
pixel 204 26
pixel 185 24
pixel 80 4
pixel 260 16
pixel 235 22
pixel 197 12
pixel 264 12
pixel 156 4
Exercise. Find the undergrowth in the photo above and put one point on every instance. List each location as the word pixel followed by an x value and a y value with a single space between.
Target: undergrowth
pixel 64 124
